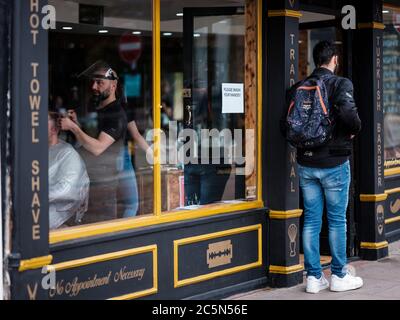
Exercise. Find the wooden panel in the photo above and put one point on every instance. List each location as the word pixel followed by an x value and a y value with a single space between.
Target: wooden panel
pixel 251 95
pixel 169 187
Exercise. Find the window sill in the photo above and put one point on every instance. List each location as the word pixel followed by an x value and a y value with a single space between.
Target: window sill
pixel 103 228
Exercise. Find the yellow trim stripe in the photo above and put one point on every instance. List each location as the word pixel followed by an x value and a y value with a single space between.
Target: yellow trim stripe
pixel 285 214
pixel 392 220
pixel 391 191
pixel 219 234
pixel 145 221
pixel 285 270
pixel 285 13
pixel 371 25
pixel 147 292
pixel 180 283
pixel 101 258
pixel 374 245
pixel 373 197
pixel 260 98
pixel 392 171
pixel 157 106
pixel 34 263
pixel 112 256
pixel 186 282
pixel 136 295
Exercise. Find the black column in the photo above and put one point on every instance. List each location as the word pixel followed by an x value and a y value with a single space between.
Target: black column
pixel 368 74
pixel 281 191
pixel 29 103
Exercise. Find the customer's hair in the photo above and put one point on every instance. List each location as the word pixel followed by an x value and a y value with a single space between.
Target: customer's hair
pixel 323 52
pixel 54 117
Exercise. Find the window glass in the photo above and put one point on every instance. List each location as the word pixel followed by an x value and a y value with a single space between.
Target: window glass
pixel 391 86
pixel 100 110
pixel 310 34
pixel 209 102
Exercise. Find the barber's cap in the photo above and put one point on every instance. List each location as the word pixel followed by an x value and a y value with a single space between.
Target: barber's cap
pixel 99 70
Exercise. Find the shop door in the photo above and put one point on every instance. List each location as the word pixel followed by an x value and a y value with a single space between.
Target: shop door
pixel 310 34
pixel 213 57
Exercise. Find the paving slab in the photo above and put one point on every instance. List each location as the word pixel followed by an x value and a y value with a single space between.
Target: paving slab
pixel 381 282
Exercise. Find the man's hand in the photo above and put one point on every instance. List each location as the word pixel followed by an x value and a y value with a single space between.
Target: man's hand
pixel 352 136
pixel 73 116
pixel 67 124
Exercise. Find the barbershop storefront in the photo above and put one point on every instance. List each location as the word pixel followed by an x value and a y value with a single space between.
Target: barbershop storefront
pixel 202 199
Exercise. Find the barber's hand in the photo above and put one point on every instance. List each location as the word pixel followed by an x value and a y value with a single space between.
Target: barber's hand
pixel 67 124
pixel 72 115
pixel 352 136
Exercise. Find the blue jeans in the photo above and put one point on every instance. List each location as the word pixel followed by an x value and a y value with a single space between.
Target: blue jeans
pixel 331 184
pixel 203 184
pixel 128 197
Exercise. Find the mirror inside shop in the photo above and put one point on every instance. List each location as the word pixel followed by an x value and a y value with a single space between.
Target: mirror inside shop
pixel 101 121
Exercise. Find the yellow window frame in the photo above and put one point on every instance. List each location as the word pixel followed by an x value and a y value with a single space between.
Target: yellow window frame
pixel 158 216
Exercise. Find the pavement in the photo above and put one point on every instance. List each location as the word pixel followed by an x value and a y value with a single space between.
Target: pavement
pixel 381 282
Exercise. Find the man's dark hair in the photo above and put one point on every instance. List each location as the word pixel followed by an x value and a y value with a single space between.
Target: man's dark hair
pixel 323 52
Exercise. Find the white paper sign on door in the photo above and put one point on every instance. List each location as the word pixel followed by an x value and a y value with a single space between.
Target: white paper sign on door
pixel 232 98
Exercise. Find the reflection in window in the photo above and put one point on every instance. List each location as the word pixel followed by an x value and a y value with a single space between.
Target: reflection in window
pixel 209 102
pixel 100 78
pixel 391 86
pixel 308 38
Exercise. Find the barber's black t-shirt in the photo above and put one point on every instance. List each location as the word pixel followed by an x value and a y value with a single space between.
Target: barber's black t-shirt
pixel 112 121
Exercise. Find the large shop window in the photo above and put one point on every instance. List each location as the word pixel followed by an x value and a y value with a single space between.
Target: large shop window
pixel 391 85
pixel 210 60
pixel 100 76
pixel 153 108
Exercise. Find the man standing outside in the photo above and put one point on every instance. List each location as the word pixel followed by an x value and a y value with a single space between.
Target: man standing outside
pixel 102 154
pixel 324 174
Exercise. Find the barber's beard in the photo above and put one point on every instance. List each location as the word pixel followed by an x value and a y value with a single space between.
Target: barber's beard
pixel 97 99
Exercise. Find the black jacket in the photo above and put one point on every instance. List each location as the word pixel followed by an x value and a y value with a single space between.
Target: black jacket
pixel 346 121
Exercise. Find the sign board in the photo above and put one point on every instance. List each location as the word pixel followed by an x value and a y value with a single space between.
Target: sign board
pixel 29 132
pixel 130 48
pixel 232 98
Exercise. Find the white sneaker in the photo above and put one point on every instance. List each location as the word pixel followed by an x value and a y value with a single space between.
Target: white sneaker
pixel 348 282
pixel 315 285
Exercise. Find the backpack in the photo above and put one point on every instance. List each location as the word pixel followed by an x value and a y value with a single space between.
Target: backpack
pixel 308 122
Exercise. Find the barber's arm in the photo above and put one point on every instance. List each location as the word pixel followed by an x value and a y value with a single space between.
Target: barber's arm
pixel 346 107
pixel 135 134
pixel 138 138
pixel 94 146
